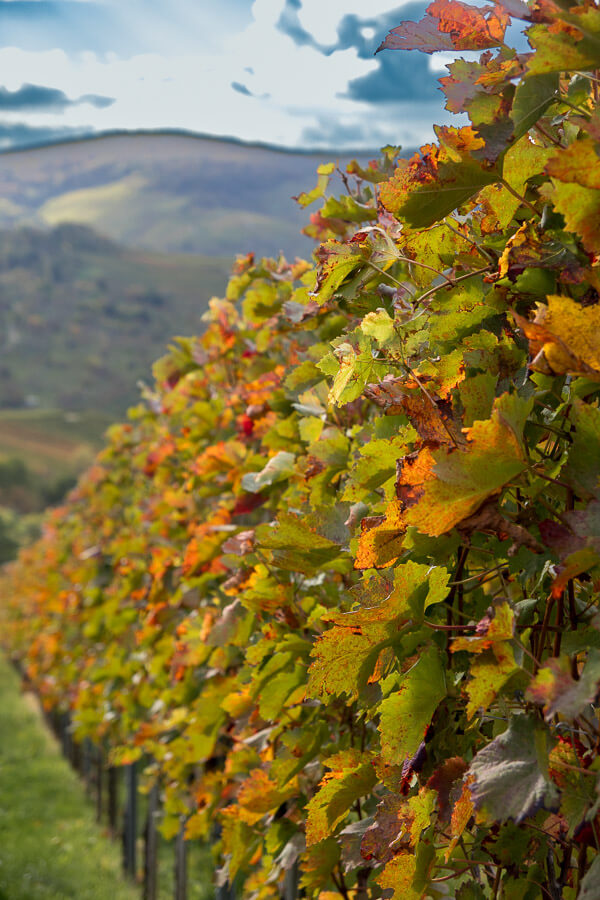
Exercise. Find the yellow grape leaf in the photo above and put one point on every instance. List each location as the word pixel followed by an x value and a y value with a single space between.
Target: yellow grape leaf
pixel 346 655
pixel 564 337
pixel 464 478
pixel 489 673
pixel 495 663
pixel 398 876
pixel 381 540
pixel 578 163
pixel 260 795
pixel 421 805
pixel 462 812
pixel 497 625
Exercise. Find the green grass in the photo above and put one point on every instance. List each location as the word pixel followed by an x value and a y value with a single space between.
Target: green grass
pixel 50 846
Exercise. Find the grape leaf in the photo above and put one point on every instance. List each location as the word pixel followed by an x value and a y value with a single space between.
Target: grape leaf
pixel 351 777
pixel 510 774
pixel 564 337
pixel 533 96
pixel 278 468
pixel 295 546
pixel 576 164
pixel 398 876
pixel 439 180
pixel 336 262
pixel 564 47
pixel 556 690
pixel 450 25
pixel 577 788
pixel 589 888
pixel 345 656
pixel 580 208
pixel 406 714
pixel 323 171
pixel 581 469
pixel 465 478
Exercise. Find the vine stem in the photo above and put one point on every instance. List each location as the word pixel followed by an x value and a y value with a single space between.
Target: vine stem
pixel 340 885
pixel 416 262
pixel 456 281
pixel 587 75
pixel 473 243
pixel 543 632
pixel 496 884
pixel 385 274
pixel 549 137
pixel 570 505
pixel 560 611
pixel 518 196
pixel 581 864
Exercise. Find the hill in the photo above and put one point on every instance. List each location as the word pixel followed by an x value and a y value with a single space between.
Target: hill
pixel 81 321
pixel 165 193
pixel 82 318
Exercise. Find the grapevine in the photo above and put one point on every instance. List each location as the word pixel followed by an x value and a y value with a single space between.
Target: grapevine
pixel 337 577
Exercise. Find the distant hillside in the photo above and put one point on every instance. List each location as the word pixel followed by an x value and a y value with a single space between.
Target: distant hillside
pixel 82 319
pixel 164 193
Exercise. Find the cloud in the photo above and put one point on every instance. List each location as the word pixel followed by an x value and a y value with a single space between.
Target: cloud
pixel 241 89
pixel 97 100
pixel 411 127
pixel 323 88
pixel 22 135
pixel 396 76
pixel 351 134
pixel 37 97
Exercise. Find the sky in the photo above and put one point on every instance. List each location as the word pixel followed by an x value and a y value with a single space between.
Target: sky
pixel 299 74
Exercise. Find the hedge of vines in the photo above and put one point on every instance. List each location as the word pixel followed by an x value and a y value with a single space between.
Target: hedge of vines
pixel 338 575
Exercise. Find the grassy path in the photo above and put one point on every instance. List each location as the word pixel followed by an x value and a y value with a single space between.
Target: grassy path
pixel 50 845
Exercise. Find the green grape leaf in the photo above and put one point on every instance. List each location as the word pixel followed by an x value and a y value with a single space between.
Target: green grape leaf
pixel 406 714
pixel 278 468
pixel 589 889
pixel 439 181
pixel 564 47
pixel 336 262
pixel 581 469
pixel 533 96
pixel 350 778
pixel 295 546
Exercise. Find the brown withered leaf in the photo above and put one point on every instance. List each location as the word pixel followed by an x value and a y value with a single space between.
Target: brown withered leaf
pixel 447 781
pixel 380 543
pixel 431 418
pixel 489 520
pixel 390 832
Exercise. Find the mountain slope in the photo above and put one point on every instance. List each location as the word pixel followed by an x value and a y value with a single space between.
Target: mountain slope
pixel 165 193
pixel 81 319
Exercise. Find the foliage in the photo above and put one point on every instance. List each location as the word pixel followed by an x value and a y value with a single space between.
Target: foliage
pixel 337 576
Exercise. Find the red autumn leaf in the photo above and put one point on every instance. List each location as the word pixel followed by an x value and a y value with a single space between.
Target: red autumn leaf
pixel 450 25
